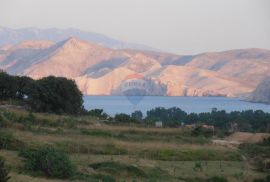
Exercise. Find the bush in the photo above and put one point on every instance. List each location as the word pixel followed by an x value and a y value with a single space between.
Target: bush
pixel 3 123
pixel 267 179
pixel 217 179
pixel 8 142
pixel 118 168
pixel 4 177
pixel 200 131
pixel 50 162
pixel 191 155
pixel 124 118
pixel 94 177
pixel 5 140
pixel 97 113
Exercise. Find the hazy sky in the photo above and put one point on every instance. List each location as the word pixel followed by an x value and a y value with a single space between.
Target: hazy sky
pixel 179 26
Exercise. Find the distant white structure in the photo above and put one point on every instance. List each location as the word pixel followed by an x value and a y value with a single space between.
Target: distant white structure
pixel 159 124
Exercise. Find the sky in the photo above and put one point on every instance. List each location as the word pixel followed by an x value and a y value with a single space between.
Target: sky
pixel 177 26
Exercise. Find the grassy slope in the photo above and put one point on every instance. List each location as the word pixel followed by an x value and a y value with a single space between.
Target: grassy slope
pixel 163 154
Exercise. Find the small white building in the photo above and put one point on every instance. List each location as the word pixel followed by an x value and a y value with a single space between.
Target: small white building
pixel 159 124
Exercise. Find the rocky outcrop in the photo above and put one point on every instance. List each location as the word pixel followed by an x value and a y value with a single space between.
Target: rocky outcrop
pixel 262 92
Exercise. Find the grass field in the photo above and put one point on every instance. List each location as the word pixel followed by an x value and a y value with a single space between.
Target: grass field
pixel 124 153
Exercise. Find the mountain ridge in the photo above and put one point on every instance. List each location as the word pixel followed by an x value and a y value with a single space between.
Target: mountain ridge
pixel 14 36
pixel 261 93
pixel 99 70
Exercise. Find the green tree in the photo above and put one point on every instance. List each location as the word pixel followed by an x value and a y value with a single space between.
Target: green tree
pixel 97 113
pixel 137 115
pixel 24 86
pixel 124 118
pixel 8 86
pixel 57 95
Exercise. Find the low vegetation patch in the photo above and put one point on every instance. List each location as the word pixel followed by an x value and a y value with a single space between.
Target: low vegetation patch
pixel 258 153
pixel 266 179
pixel 211 179
pixel 94 177
pixel 118 168
pixel 8 142
pixel 48 161
pixel 191 155
pixel 95 132
pixel 4 173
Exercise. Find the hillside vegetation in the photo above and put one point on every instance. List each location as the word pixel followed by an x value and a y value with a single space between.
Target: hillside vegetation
pixel 96 151
pixel 47 135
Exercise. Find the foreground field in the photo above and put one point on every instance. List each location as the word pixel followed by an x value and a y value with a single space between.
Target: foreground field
pixel 103 152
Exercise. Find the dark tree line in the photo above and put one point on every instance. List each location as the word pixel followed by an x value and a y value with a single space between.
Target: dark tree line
pixel 248 120
pixel 49 94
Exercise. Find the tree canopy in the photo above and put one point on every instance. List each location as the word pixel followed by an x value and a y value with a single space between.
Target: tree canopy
pixel 48 94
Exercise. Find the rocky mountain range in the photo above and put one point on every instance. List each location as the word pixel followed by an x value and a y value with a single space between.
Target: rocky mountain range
pixel 14 36
pixel 101 70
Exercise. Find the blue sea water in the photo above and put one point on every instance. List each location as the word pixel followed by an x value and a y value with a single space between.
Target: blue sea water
pixel 124 104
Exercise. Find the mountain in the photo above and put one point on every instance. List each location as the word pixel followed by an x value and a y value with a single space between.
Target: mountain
pixel 262 92
pixel 99 70
pixel 249 65
pixel 14 36
pixel 191 81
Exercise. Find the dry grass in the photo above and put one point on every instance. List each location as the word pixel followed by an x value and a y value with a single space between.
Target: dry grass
pixel 137 129
pixel 30 137
pixel 247 137
pixel 15 177
pixel 159 139
pixel 235 171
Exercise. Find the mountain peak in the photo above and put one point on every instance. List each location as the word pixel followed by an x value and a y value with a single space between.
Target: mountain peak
pixel 75 43
pixel 73 40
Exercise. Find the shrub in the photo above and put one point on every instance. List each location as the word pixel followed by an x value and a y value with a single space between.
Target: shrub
pixel 118 168
pixel 266 141
pixel 93 177
pixel 157 174
pixel 191 155
pixel 6 140
pixel 217 179
pixel 3 122
pixel 4 177
pixel 97 113
pixel 200 131
pixel 94 132
pixel 267 179
pixel 50 162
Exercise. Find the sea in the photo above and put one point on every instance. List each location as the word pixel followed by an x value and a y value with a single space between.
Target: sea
pixel 128 104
